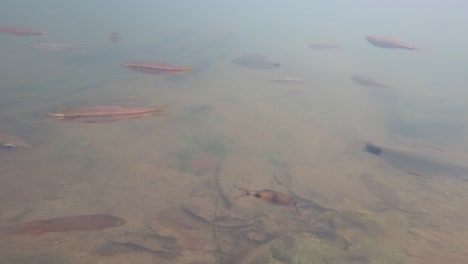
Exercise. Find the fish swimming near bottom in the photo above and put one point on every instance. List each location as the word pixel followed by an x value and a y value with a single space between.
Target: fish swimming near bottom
pixel 255 61
pixel 102 114
pixel 419 164
pixel 270 196
pixel 367 81
pixel 289 80
pixel 387 43
pixel 64 224
pixel 12 143
pixel 57 47
pixel 323 46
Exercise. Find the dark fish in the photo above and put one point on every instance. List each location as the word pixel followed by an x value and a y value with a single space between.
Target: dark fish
pixel 419 164
pixel 114 37
pixel 270 196
pixel 367 81
pixel 255 61
pixel 323 46
pixel 389 43
pixel 64 224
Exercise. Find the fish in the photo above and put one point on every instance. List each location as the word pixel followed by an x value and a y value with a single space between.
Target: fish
pixel 270 196
pixel 367 81
pixel 114 37
pixel 419 164
pixel 9 142
pixel 323 46
pixel 64 224
pixel 289 80
pixel 21 31
pixel 255 61
pixel 102 114
pixel 57 47
pixel 157 68
pixel 387 43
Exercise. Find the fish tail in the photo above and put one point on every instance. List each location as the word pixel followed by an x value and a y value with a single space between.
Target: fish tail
pixel 246 192
pixel 159 111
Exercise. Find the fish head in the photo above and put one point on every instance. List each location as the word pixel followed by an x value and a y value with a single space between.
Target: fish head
pixel 8 146
pixel 57 115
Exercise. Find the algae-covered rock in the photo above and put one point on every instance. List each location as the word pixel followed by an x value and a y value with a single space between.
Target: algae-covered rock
pixel 298 250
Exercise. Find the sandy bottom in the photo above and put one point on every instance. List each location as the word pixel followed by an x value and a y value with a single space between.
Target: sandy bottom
pixel 134 169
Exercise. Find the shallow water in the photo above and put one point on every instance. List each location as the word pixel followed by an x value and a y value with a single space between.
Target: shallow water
pixel 136 169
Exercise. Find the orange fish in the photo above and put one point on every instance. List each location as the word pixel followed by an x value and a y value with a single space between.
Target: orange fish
pixel 101 114
pixel 389 43
pixel 158 68
pixel 270 196
pixel 21 31
pixel 64 224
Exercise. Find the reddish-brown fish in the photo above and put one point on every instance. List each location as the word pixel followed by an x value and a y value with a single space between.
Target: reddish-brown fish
pixel 101 114
pixel 158 68
pixel 21 31
pixel 270 196
pixel 389 43
pixel 64 224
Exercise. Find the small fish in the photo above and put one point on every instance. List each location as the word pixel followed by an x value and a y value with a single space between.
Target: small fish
pixel 9 142
pixel 102 114
pixel 64 224
pixel 323 46
pixel 57 47
pixel 255 61
pixel 270 196
pixel 367 81
pixel 386 43
pixel 289 80
pixel 21 31
pixel 157 68
pixel 114 37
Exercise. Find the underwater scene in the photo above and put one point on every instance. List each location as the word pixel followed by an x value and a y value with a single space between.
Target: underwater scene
pixel 237 132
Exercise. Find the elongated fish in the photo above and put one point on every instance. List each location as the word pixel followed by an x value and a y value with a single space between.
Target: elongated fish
pixel 64 224
pixel 419 164
pixel 98 114
pixel 387 43
pixel 157 68
pixel 21 31
pixel 57 47
pixel 255 61
pixel 367 81
pixel 323 46
pixel 289 80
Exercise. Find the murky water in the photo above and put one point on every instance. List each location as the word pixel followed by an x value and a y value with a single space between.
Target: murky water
pixel 228 127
